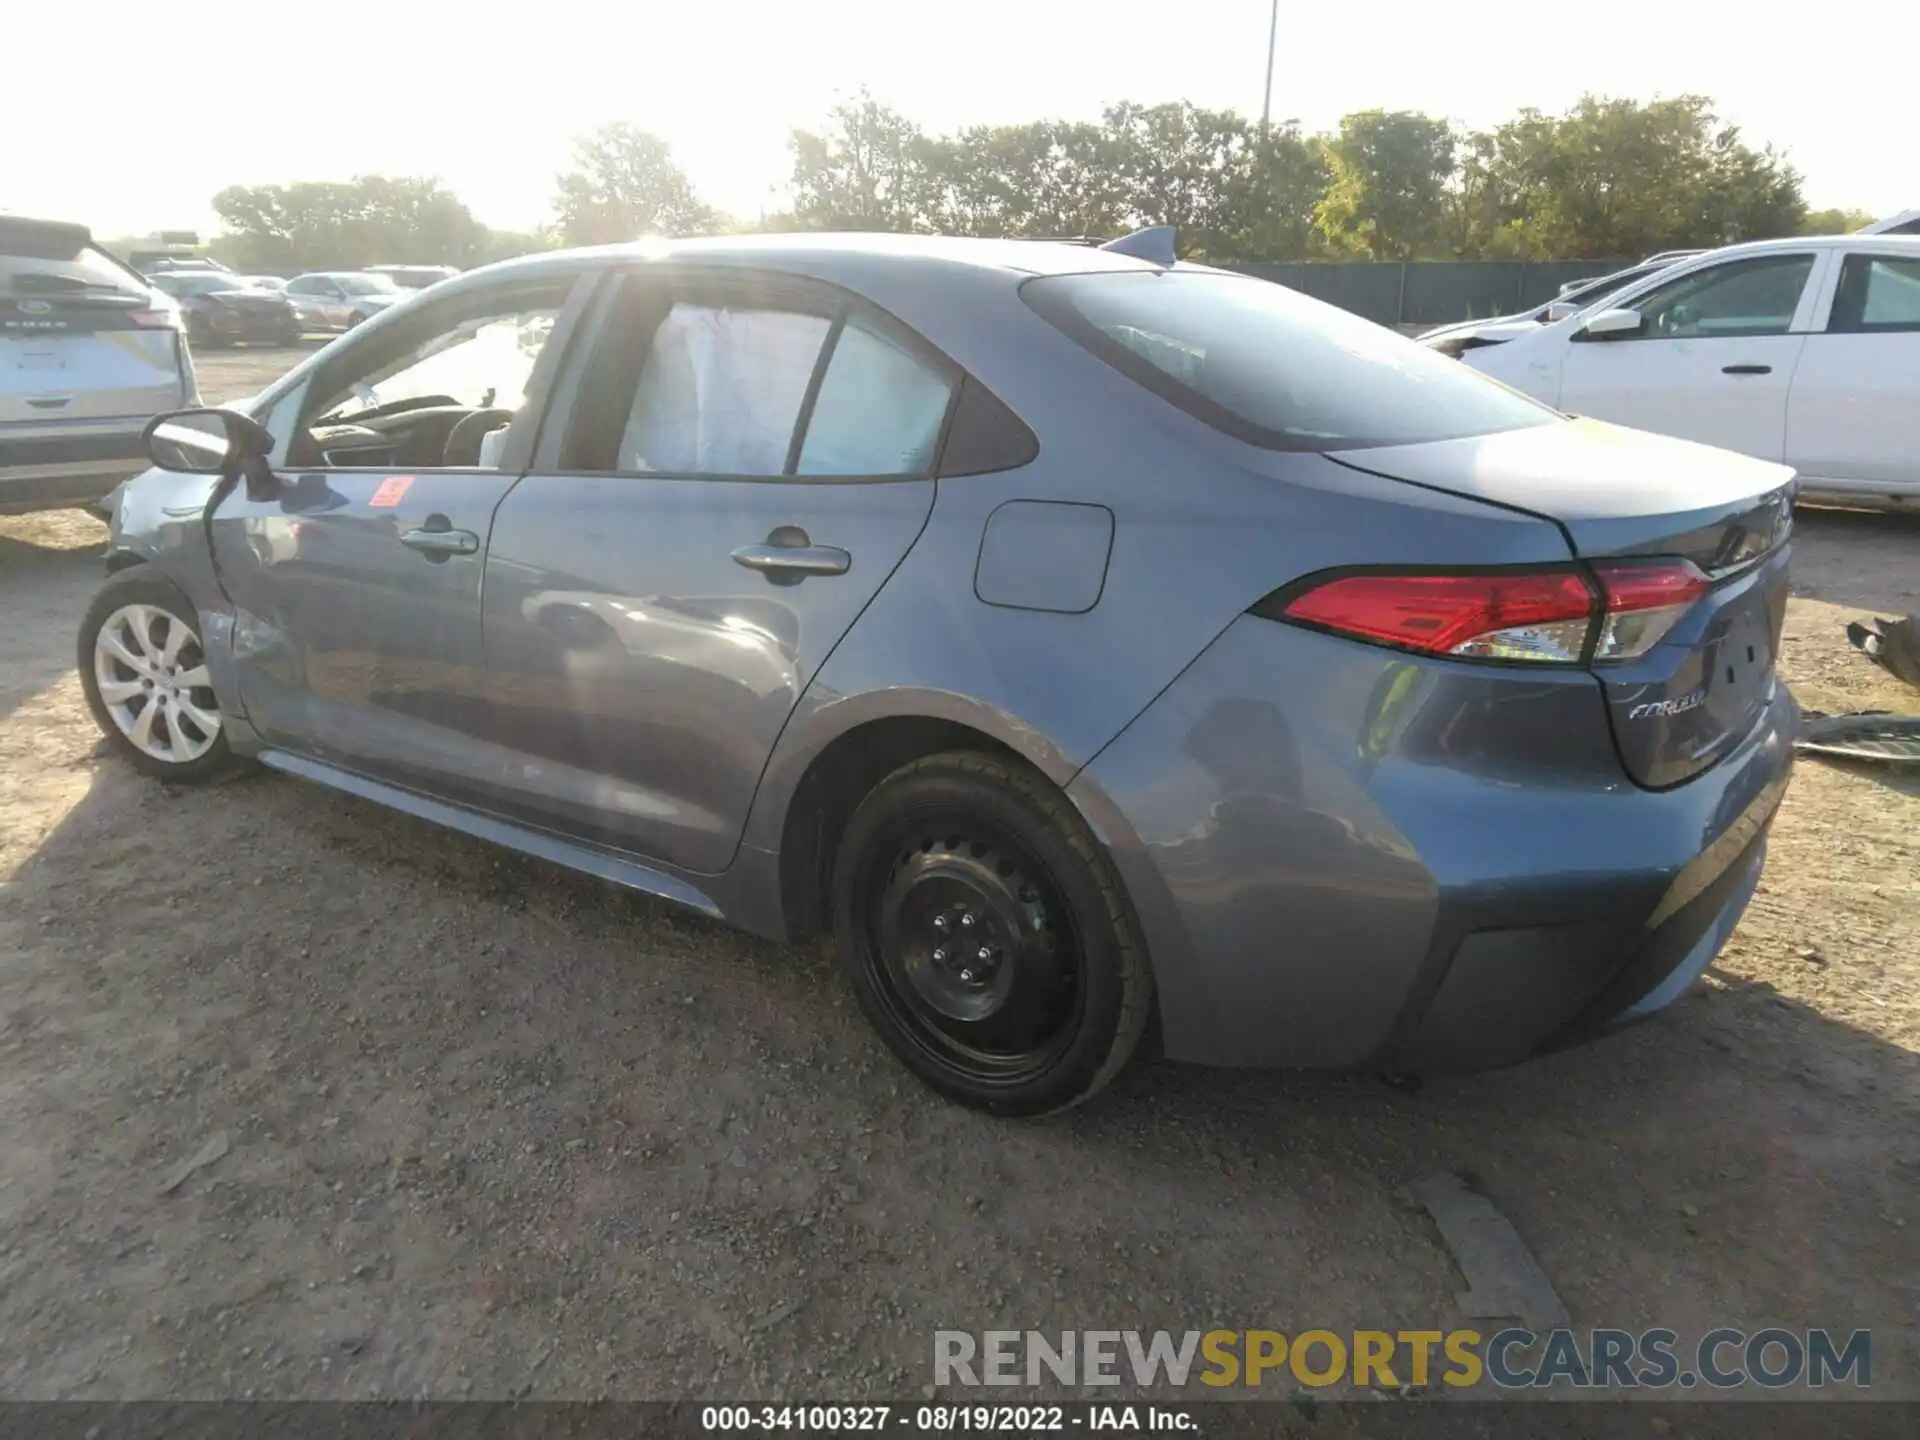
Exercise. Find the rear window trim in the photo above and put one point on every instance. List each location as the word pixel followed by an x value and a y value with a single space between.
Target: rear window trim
pixel 1064 317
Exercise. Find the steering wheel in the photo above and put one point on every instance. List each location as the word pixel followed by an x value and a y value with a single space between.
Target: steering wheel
pixel 463 441
pixel 1678 321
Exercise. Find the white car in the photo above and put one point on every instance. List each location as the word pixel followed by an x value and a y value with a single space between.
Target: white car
pixel 1576 295
pixel 1907 222
pixel 1802 351
pixel 90 351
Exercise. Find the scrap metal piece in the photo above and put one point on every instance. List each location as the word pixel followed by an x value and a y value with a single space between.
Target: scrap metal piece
pixel 1891 644
pixel 1865 735
pixel 1503 1278
pixel 214 1148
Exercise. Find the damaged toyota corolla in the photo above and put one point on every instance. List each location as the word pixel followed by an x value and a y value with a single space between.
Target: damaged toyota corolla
pixel 1110 653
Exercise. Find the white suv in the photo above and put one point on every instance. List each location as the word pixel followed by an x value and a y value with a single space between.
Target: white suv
pixel 89 353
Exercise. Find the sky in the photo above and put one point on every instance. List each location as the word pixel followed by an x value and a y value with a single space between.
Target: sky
pixel 487 96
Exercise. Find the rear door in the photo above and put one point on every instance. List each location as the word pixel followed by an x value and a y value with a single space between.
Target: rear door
pixel 356 584
pixel 80 337
pixel 1713 359
pixel 1853 415
pixel 744 461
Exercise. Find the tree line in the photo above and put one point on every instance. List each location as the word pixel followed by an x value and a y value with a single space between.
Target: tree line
pixel 1610 178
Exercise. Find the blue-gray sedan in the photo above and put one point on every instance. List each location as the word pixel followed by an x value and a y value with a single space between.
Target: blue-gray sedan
pixel 1102 649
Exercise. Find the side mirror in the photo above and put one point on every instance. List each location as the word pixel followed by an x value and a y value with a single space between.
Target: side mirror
pixel 1613 325
pixel 1560 310
pixel 207 442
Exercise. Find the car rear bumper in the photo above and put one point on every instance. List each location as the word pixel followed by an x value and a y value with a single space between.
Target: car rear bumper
pixel 46 472
pixel 1347 857
pixel 252 325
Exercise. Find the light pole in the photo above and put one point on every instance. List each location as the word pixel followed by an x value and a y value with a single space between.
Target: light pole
pixel 1273 31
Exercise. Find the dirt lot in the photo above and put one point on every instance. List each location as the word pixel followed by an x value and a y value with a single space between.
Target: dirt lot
pixel 495 1130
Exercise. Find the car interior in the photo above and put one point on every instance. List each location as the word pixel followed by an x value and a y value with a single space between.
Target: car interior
pixel 438 393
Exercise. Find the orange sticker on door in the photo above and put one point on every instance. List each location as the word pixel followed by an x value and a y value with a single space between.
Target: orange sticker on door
pixel 389 492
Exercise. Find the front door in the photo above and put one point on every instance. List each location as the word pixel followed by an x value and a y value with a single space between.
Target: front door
pixel 745 462
pixel 356 584
pixel 1712 360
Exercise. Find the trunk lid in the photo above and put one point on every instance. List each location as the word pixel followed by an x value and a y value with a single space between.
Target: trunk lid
pixel 1621 494
pixel 71 347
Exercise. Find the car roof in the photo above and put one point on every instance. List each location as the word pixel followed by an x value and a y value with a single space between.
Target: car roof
pixel 849 255
pixel 1905 217
pixel 1810 242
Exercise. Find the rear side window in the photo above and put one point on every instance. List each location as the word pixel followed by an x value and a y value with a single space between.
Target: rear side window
pixel 1269 366
pixel 879 410
pixel 721 391
pixel 1876 293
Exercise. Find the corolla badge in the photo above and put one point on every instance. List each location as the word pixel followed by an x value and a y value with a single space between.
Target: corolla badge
pixel 34 307
pixel 1653 709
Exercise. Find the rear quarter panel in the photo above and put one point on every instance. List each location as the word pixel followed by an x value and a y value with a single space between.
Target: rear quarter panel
pixel 1203 526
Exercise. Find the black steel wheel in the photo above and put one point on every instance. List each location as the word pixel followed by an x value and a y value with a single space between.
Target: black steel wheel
pixel 987 937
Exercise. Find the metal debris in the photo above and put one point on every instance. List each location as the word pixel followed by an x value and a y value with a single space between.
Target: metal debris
pixel 1864 735
pixel 1893 645
pixel 215 1147
pixel 1503 1278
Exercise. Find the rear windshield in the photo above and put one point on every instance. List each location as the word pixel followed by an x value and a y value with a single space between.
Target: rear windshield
pixel 1267 365
pixel 83 271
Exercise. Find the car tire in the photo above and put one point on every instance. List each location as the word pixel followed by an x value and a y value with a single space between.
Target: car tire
pixel 143 670
pixel 354 319
pixel 200 333
pixel 987 936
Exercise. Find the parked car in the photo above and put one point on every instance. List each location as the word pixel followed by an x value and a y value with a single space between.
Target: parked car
pixel 341 299
pixel 414 277
pixel 1801 351
pixel 1646 266
pixel 1667 257
pixel 89 353
pixel 159 262
pixel 1465 335
pixel 230 309
pixel 267 282
pixel 1907 222
pixel 1095 645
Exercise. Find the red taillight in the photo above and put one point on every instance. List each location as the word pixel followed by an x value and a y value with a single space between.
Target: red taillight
pixel 1644 601
pixel 1488 615
pixel 155 319
pixel 1526 615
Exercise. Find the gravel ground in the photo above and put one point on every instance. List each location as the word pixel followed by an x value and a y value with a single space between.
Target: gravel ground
pixel 494 1130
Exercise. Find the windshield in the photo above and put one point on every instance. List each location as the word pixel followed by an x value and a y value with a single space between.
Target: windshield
pixel 1267 365
pixel 1585 295
pixel 365 284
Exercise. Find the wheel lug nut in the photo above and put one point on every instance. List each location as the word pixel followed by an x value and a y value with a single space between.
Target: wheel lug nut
pixel 942 924
pixel 966 921
pixel 966 975
pixel 983 955
pixel 940 955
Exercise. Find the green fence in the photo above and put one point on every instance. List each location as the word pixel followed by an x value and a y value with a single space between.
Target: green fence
pixel 1433 292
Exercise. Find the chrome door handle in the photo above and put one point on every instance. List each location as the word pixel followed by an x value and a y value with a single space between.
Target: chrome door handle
pixel 794 559
pixel 442 542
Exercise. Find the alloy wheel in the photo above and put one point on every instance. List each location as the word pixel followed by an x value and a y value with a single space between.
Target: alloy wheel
pixel 152 677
